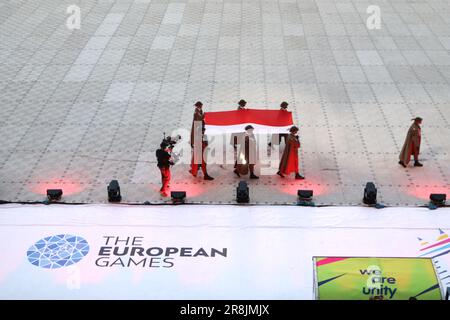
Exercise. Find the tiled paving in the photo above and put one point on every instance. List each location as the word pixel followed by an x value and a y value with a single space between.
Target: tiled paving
pixel 80 107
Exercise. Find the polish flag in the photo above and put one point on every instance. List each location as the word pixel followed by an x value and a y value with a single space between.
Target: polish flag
pixel 263 121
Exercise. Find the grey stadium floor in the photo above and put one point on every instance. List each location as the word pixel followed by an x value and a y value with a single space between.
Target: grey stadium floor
pixel 80 107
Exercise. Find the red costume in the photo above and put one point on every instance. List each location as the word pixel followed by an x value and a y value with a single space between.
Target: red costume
pixel 198 122
pixel 165 180
pixel 289 159
pixel 194 166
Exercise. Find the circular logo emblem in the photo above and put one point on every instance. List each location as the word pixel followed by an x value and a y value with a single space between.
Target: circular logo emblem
pixel 58 251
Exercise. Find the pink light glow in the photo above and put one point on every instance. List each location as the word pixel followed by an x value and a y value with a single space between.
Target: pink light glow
pixel 292 186
pixel 69 187
pixel 423 191
pixel 193 188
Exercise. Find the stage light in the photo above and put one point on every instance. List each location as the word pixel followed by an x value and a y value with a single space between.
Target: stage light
pixel 305 195
pixel 114 191
pixel 178 197
pixel 305 198
pixel 438 199
pixel 54 194
pixel 242 192
pixel 370 194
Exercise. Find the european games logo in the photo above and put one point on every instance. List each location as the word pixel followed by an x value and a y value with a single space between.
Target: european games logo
pixel 58 251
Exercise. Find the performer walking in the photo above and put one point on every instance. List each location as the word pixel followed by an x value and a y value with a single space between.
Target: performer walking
pixel 246 158
pixel 241 104
pixel 289 160
pixel 195 166
pixel 412 144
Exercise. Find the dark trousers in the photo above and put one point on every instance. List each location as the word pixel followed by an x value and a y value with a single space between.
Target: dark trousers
pixel 251 168
pixel 416 153
pixel 281 136
pixel 165 178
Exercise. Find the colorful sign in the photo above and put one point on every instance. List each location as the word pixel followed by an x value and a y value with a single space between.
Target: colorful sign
pixel 346 278
pixel 438 249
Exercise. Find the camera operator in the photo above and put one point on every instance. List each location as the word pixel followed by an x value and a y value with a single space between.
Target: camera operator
pixel 164 162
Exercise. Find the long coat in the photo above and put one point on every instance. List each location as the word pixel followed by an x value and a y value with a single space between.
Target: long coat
pixel 196 126
pixel 289 159
pixel 412 143
pixel 247 154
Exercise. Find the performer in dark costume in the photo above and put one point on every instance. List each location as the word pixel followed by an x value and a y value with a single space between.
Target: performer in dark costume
pixel 198 121
pixel 289 160
pixel 241 104
pixel 412 144
pixel 283 107
pixel 246 158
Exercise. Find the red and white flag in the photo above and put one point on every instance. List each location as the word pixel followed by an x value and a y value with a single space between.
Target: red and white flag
pixel 263 121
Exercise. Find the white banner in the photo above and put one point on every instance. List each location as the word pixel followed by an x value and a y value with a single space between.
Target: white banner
pixel 200 252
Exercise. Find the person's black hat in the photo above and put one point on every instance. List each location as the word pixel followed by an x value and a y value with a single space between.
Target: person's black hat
pixel 284 105
pixel 242 102
pixel 164 145
pixel 293 128
pixel 417 119
pixel 249 127
pixel 198 104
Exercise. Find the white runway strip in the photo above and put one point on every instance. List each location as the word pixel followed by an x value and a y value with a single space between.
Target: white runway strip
pixel 199 252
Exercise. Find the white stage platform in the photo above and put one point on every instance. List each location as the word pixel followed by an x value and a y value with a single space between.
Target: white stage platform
pixel 249 252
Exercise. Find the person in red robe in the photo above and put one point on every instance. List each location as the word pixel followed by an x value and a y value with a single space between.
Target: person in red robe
pixel 289 159
pixel 412 144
